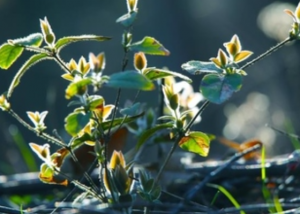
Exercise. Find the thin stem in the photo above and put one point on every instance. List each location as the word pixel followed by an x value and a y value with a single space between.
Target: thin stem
pixel 43 135
pixel 60 62
pixel 268 52
pixel 178 138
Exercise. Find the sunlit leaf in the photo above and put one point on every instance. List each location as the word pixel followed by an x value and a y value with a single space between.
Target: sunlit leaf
pixel 59 156
pixel 150 132
pixel 95 101
pixel 149 45
pixel 155 73
pixel 70 39
pixel 34 40
pixel 30 62
pixel 242 56
pixel 75 121
pixel 196 142
pixel 218 88
pixel 127 19
pixel 9 54
pixel 131 80
pixel 77 88
pixel 47 176
pixel 198 67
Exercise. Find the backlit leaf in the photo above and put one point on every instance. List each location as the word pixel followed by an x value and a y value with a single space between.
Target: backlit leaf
pixel 218 88
pixel 131 80
pixel 149 45
pixel 196 142
pixel 34 40
pixel 127 19
pixel 242 56
pixel 75 121
pixel 30 62
pixel 78 87
pixel 9 54
pixel 198 67
pixel 155 73
pixel 69 39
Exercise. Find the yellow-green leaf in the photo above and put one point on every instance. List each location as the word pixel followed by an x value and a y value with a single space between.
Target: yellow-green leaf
pixel 197 142
pixel 9 54
pixel 149 45
pixel 242 56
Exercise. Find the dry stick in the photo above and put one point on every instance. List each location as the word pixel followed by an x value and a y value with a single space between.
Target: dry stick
pixel 256 207
pixel 190 194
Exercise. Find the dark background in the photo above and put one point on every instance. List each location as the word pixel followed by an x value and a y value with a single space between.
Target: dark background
pixel 191 30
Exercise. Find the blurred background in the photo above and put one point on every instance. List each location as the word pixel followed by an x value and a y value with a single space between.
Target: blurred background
pixel 190 30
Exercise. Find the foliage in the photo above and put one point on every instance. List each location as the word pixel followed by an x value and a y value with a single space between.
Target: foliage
pixel 94 122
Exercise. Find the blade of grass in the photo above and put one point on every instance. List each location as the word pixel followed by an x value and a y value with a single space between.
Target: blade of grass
pixel 265 191
pixel 277 204
pixel 228 195
pixel 23 148
pixel 215 198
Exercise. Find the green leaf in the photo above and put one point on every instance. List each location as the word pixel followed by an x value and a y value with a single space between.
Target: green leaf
pixel 78 87
pixel 95 101
pixel 131 80
pixel 9 54
pixel 76 121
pixel 131 110
pixel 228 195
pixel 30 62
pixel 218 88
pixel 198 67
pixel 149 45
pixel 69 39
pixel 127 19
pixel 34 40
pixel 149 132
pixel 77 141
pixel 197 142
pixel 117 121
pixel 154 73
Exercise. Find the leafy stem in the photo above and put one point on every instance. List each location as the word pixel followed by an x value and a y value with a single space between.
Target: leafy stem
pixel 178 138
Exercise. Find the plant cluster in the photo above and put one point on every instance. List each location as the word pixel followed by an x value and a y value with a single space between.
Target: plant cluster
pixel 93 121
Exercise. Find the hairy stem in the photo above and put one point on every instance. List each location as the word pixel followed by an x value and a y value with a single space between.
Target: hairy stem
pixel 43 135
pixel 268 52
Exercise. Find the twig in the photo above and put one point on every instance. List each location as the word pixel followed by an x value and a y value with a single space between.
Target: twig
pixel 268 52
pixel 190 194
